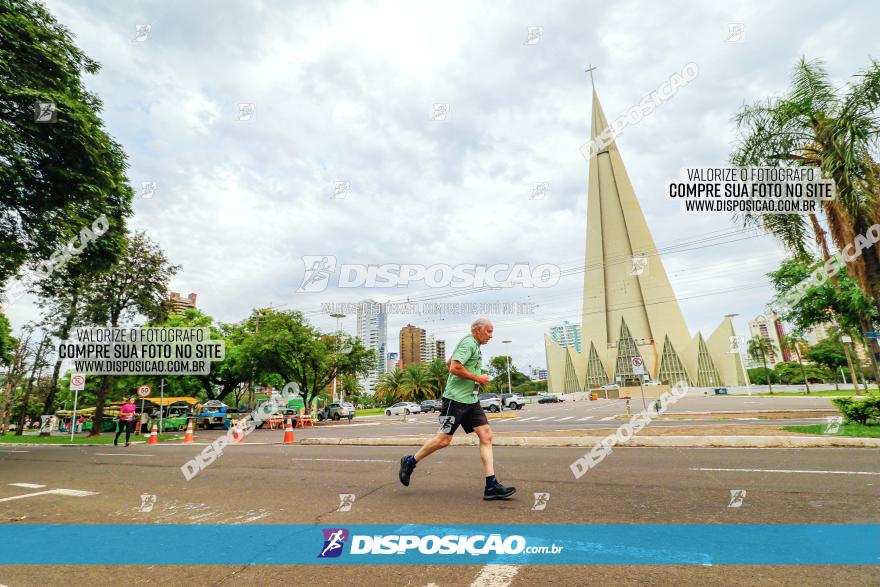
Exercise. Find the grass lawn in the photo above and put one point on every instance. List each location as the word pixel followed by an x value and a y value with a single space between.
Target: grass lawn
pixel 834 392
pixel 845 430
pixel 106 438
pixel 370 412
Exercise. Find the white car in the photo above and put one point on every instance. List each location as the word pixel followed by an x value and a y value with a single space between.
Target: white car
pixel 610 386
pixel 403 408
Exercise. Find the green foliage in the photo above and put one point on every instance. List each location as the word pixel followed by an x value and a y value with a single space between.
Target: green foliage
pixel 860 411
pixel 56 178
pixel 789 373
pixel 759 376
pixel 828 352
pixel 7 343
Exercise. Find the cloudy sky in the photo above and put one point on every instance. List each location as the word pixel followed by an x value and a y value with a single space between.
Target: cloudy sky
pixel 345 92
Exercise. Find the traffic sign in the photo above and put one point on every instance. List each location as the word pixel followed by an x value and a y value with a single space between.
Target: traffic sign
pixel 77 382
pixel 144 390
pixel 637 366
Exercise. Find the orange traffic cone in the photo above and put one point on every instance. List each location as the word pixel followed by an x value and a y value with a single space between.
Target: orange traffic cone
pixel 154 435
pixel 237 433
pixel 288 433
pixel 188 435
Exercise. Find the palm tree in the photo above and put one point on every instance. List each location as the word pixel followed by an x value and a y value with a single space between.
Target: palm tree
pixel 814 125
pixel 438 373
pixel 351 387
pixel 793 343
pixel 759 348
pixel 391 385
pixel 417 384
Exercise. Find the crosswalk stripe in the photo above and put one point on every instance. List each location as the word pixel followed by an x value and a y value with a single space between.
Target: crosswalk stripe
pixel 545 419
pixel 587 418
pixel 608 418
pixel 527 419
pixel 565 418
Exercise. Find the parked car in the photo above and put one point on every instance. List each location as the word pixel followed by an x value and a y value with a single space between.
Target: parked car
pixel 336 411
pixel 403 408
pixel 513 401
pixel 550 398
pixel 490 402
pixel 430 405
pixel 610 386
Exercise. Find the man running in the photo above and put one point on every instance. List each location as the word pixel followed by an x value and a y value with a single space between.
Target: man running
pixel 461 408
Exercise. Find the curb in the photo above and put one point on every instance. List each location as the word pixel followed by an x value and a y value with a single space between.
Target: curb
pixel 637 441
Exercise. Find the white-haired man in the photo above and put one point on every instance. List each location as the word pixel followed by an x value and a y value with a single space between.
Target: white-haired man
pixel 461 408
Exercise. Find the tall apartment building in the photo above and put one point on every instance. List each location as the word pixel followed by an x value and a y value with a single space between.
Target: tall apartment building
pixel 391 362
pixel 819 332
pixel 770 326
pixel 412 342
pixel 441 350
pixel 177 304
pixel 372 329
pixel 567 335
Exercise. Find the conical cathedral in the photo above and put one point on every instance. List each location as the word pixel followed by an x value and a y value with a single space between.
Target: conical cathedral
pixel 629 308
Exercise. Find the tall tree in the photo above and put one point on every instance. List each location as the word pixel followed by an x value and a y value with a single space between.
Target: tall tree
pixel 794 343
pixel 390 385
pixel 290 347
pixel 136 285
pixel 759 348
pixel 59 169
pixel 417 384
pixel 37 365
pixel 7 342
pixel 14 374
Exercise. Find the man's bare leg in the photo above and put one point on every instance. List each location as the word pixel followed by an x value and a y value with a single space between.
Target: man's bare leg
pixel 442 440
pixel 484 433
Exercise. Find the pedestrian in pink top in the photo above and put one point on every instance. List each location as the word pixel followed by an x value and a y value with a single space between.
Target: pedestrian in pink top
pixel 126 421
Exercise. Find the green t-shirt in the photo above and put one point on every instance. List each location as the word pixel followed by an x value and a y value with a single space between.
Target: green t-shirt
pixel 467 352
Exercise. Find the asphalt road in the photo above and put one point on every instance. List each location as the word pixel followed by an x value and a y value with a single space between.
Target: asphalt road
pixel 275 484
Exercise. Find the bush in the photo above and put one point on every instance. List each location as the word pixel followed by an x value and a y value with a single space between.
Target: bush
pixel 860 411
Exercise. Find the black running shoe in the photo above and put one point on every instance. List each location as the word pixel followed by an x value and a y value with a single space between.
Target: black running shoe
pixel 406 469
pixel 499 491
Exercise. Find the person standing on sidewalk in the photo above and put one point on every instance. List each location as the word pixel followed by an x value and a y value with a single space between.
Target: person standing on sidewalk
pixel 461 407
pixel 126 421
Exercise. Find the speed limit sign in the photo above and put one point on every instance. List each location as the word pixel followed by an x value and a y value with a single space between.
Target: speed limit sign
pixel 144 390
pixel 77 382
pixel 637 366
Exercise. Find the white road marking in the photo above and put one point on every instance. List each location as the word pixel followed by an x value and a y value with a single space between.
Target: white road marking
pixel 28 485
pixel 607 418
pixel 527 419
pixel 346 460
pixel 789 471
pixel 545 419
pixel 15 451
pixel 565 418
pixel 495 576
pixel 587 418
pixel 67 492
pixel 121 454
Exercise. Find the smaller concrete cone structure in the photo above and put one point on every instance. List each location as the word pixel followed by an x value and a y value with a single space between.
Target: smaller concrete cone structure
pixel 154 434
pixel 288 432
pixel 237 433
pixel 188 436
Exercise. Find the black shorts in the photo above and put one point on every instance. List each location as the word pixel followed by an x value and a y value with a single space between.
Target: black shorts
pixel 454 414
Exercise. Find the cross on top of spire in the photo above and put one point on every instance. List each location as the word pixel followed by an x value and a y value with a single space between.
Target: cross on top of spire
pixel 589 70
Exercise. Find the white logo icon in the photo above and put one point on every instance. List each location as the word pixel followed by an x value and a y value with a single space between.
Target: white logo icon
pixel 341 190
pixel 736 498
pixel 440 112
pixel 318 269
pixel 148 188
pixel 832 424
pixel 735 31
pixel 539 190
pixel 46 112
pixel 639 263
pixel 141 32
pixel 446 423
pixel 246 111
pixel 541 500
pixel 147 503
pixel 346 500
pixel 737 342
pixel 534 35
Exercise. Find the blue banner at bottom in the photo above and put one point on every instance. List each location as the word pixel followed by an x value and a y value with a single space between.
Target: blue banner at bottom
pixel 389 544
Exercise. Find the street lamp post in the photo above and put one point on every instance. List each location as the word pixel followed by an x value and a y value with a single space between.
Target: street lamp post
pixel 509 386
pixel 338 317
